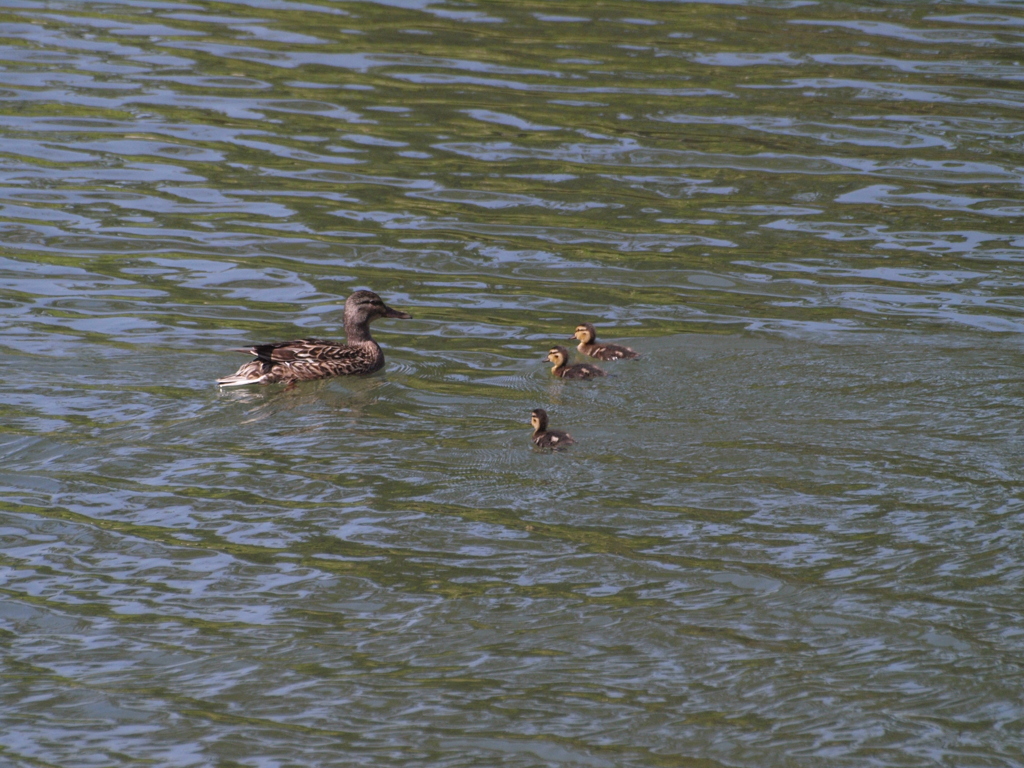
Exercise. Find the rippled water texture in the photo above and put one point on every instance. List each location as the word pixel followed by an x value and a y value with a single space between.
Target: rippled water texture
pixel 790 534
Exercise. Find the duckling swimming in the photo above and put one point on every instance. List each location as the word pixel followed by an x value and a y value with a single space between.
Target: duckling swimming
pixel 547 438
pixel 306 359
pixel 588 345
pixel 560 356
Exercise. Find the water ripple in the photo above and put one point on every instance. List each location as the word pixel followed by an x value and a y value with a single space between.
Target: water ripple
pixel 787 534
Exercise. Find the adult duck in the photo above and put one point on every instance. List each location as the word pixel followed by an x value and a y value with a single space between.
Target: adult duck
pixel 307 359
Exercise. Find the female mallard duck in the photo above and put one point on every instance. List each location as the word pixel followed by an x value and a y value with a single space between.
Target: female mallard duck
pixel 588 345
pixel 305 359
pixel 544 437
pixel 560 356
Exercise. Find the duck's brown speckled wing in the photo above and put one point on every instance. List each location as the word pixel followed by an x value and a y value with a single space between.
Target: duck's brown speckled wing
pixel 300 349
pixel 304 360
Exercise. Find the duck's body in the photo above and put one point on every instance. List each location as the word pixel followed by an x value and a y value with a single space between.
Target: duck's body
pixel 304 360
pixel 560 357
pixel 307 359
pixel 588 345
pixel 547 438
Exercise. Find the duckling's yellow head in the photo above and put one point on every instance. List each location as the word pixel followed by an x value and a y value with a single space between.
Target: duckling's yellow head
pixel 585 333
pixel 558 355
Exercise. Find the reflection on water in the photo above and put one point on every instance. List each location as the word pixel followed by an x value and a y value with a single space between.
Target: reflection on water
pixel 788 534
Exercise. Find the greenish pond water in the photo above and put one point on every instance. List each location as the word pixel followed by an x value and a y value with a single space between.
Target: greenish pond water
pixel 790 534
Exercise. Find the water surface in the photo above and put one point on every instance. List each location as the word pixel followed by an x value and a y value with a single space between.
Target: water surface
pixel 788 535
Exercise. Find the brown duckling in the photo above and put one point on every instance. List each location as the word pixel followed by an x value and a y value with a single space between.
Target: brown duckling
pixel 588 345
pixel 560 356
pixel 547 438
pixel 305 359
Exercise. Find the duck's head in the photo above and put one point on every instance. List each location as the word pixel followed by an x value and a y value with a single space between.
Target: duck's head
pixel 364 306
pixel 585 333
pixel 558 355
pixel 539 420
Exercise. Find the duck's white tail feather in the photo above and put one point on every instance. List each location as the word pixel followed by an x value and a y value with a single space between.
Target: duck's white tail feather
pixel 238 381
